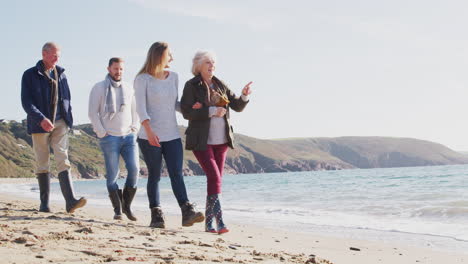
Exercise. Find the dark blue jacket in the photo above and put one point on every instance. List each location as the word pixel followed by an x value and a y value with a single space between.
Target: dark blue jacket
pixel 35 97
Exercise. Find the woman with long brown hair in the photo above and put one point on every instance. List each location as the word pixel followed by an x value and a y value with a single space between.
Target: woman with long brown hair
pixel 156 93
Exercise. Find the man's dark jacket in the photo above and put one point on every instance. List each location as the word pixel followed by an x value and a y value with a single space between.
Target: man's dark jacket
pixel 35 98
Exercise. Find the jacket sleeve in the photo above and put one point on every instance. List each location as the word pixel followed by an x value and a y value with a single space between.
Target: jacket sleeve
pixel 140 87
pixel 26 99
pixel 95 99
pixel 236 103
pixel 186 103
pixel 177 103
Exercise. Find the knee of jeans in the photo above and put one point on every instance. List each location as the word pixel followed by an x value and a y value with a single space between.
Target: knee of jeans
pixel 215 181
pixel 112 187
pixel 132 183
pixel 213 175
pixel 154 177
pixel 132 169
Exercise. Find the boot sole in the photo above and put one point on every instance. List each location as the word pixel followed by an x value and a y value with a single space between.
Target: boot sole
pixel 130 217
pixel 197 219
pixel 223 231
pixel 158 225
pixel 81 203
pixel 118 217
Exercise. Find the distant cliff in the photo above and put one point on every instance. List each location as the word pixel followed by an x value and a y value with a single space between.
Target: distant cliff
pixel 250 156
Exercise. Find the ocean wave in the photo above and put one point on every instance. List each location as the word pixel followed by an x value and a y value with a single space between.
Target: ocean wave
pixel 388 223
pixel 439 212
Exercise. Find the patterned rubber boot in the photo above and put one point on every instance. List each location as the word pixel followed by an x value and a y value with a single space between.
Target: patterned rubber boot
pixel 218 214
pixel 209 215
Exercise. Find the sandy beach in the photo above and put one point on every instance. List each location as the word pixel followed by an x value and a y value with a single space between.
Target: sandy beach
pixel 91 235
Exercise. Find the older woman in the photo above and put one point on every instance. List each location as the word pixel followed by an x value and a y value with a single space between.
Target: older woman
pixel 156 99
pixel 209 133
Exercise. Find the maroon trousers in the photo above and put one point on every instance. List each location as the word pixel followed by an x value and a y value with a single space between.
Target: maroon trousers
pixel 212 162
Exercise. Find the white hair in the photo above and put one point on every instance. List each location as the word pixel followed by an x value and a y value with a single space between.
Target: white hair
pixel 200 57
pixel 50 45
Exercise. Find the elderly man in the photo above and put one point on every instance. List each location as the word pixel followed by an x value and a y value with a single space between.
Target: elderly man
pixel 112 112
pixel 45 97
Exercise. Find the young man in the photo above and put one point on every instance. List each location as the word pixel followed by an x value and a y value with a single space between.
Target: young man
pixel 45 97
pixel 114 119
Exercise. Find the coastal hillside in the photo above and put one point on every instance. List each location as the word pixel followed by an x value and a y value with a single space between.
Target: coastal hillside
pixel 251 155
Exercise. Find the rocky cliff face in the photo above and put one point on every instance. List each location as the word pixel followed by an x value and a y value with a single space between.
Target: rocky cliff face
pixel 251 155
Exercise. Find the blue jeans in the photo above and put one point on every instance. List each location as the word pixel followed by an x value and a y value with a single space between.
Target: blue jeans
pixel 173 155
pixel 115 146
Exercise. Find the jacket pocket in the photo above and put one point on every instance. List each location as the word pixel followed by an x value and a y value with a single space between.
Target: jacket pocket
pixel 191 141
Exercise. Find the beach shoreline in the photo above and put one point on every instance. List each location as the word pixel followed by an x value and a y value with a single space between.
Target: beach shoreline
pixel 90 235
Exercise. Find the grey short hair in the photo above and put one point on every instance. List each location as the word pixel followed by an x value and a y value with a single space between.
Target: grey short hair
pixel 49 45
pixel 200 57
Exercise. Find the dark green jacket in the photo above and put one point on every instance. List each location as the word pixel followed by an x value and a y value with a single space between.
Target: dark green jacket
pixel 199 120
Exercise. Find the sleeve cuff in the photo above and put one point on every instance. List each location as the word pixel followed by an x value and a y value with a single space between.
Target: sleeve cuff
pixel 143 117
pixel 101 134
pixel 245 98
pixel 212 111
pixel 178 108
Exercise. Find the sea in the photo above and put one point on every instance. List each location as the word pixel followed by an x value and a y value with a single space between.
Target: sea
pixel 415 206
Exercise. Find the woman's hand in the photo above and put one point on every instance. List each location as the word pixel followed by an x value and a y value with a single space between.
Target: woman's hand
pixel 197 105
pixel 246 91
pixel 153 139
pixel 220 111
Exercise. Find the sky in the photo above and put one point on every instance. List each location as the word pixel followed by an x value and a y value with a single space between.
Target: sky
pixel 319 68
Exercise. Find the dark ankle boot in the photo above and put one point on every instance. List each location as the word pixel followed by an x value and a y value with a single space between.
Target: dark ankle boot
pixel 116 203
pixel 209 216
pixel 218 214
pixel 128 195
pixel 67 190
pixel 189 216
pixel 44 191
pixel 157 218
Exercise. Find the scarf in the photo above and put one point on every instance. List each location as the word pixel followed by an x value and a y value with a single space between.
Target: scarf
pixel 53 90
pixel 110 107
pixel 215 97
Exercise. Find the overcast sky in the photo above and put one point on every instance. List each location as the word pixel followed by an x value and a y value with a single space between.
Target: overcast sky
pixel 320 68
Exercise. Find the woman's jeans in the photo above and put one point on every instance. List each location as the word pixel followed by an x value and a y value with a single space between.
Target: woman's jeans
pixel 212 162
pixel 173 155
pixel 115 146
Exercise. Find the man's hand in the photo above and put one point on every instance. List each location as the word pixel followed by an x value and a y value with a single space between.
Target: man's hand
pixel 47 125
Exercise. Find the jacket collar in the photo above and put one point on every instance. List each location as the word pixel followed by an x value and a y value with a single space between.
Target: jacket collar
pixel 197 80
pixel 60 70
